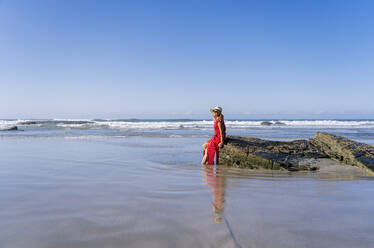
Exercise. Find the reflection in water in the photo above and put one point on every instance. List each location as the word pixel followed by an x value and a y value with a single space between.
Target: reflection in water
pixel 215 178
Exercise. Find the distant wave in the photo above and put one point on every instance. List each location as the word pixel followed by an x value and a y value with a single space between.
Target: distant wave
pixel 176 124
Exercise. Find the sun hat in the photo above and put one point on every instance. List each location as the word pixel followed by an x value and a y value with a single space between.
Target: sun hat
pixel 216 109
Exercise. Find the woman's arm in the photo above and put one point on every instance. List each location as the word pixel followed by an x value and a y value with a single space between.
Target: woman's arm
pixel 221 132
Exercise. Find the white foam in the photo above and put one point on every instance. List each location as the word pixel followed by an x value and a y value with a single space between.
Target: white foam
pixel 7 123
pixel 193 124
pixel 229 124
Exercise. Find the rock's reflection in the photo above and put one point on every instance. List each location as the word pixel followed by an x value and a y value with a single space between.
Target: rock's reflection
pixel 215 178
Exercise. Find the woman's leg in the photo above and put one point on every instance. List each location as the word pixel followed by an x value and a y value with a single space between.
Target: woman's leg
pixel 205 145
pixel 205 155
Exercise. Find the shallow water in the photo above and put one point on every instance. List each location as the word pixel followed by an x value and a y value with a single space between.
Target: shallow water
pixel 152 192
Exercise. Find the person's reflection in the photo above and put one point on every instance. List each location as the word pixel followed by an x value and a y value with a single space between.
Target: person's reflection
pixel 215 178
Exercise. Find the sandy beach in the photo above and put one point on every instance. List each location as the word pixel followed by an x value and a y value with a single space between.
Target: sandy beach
pixel 143 192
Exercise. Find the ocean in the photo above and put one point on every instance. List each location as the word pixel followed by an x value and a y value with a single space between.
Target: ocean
pixel 362 130
pixel 139 183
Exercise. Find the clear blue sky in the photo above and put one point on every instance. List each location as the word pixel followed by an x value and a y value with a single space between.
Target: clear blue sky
pixel 147 59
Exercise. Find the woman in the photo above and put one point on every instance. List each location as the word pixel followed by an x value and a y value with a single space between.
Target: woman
pixel 212 146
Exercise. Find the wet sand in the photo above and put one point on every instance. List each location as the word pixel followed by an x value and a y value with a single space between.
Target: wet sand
pixel 152 192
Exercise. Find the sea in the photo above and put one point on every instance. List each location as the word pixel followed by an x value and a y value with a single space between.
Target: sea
pixel 139 183
pixel 362 129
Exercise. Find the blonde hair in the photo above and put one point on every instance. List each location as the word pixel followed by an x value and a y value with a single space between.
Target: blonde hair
pixel 221 115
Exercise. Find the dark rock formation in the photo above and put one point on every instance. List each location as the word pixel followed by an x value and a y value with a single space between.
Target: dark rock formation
pixel 345 150
pixel 280 123
pixel 266 123
pixel 15 128
pixel 295 155
pixel 29 123
pixel 256 153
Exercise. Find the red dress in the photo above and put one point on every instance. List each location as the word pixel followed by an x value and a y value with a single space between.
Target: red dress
pixel 213 148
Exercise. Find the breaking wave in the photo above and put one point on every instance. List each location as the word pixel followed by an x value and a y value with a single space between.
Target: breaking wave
pixel 179 124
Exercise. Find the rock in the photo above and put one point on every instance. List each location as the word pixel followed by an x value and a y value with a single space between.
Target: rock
pixel 276 155
pixel 280 123
pixel 295 155
pixel 345 150
pixel 15 128
pixel 28 123
pixel 266 123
